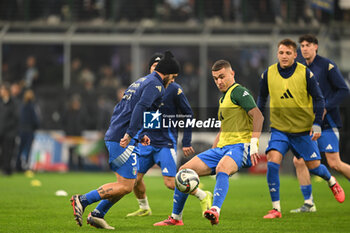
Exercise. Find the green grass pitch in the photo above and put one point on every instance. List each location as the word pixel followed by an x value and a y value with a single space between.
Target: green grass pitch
pixel 25 208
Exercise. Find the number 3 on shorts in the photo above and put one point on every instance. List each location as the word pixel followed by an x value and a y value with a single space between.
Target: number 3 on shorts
pixel 135 159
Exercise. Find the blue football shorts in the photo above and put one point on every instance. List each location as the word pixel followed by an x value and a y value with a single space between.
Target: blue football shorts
pixel 164 157
pixel 239 152
pixel 329 140
pixel 123 160
pixel 301 145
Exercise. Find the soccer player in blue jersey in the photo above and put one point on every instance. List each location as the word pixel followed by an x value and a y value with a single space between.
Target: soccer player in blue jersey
pixel 294 92
pixel 121 141
pixel 162 150
pixel 334 90
pixel 235 146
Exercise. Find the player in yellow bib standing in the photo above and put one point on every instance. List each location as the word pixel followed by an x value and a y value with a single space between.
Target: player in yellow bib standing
pixel 294 94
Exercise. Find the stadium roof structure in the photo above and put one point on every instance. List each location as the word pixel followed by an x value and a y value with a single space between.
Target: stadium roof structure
pixel 149 32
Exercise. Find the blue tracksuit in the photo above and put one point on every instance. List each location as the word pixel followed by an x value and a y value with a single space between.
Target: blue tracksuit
pixel 162 150
pixel 333 87
pixel 174 102
pixel 143 95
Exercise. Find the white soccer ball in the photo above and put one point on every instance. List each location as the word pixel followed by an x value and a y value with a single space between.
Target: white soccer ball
pixel 186 180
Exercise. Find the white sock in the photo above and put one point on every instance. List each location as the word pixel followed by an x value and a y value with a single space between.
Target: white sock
pixel 177 216
pixel 200 194
pixel 276 205
pixel 217 208
pixel 143 203
pixel 331 181
pixel 309 201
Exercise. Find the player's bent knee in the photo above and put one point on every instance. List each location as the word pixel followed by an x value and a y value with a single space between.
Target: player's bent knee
pixel 138 180
pixel 334 162
pixel 334 165
pixel 298 162
pixel 219 168
pixel 127 189
pixel 139 183
pixel 313 164
pixel 170 185
pixel 274 156
pixel 169 182
pixel 225 169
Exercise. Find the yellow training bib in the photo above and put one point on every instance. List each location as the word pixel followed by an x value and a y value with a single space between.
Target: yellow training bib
pixel 291 108
pixel 236 124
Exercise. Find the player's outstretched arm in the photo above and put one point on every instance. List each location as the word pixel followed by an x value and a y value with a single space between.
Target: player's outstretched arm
pixel 318 103
pixel 258 121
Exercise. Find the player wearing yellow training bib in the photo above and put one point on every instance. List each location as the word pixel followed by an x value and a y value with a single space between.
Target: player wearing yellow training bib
pixel 236 124
pixel 235 146
pixel 291 108
pixel 294 93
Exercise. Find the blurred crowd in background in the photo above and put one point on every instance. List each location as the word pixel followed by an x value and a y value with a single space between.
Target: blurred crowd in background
pixel 100 74
pixel 193 11
pixel 32 92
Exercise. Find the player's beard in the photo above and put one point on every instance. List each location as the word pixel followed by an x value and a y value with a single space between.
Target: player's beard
pixel 167 80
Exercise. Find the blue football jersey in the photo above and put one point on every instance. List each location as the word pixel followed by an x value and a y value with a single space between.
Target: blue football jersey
pixel 143 95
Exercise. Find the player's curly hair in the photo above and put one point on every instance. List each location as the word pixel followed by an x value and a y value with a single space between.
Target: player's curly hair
pixel 309 38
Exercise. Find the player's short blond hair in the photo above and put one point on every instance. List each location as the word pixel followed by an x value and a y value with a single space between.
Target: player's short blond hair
pixel 218 65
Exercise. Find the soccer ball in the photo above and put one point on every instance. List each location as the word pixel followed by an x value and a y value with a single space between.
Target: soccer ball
pixel 186 180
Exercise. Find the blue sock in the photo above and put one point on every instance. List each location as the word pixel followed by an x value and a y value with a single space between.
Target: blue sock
pixel 102 208
pixel 179 201
pixel 273 180
pixel 322 172
pixel 89 198
pixel 306 190
pixel 221 188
